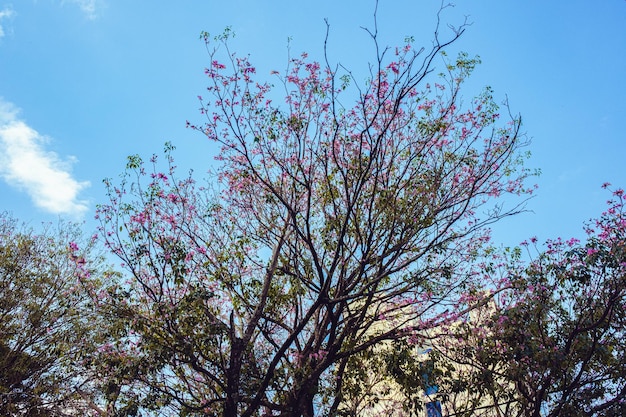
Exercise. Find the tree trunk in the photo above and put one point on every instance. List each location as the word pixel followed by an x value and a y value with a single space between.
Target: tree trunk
pixel 232 378
pixel 301 401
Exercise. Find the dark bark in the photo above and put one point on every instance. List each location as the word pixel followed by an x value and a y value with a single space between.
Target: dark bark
pixel 233 376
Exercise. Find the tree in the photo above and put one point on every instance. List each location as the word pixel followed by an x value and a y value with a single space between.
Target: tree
pixel 553 345
pixel 46 319
pixel 250 295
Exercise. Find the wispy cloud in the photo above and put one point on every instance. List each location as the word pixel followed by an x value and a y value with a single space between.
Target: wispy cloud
pixel 6 13
pixel 89 7
pixel 26 165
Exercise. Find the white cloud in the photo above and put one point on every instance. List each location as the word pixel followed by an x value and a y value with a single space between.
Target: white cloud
pixel 26 164
pixel 5 13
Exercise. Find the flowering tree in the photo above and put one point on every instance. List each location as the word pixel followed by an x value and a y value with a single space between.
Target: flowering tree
pixel 249 296
pixel 553 344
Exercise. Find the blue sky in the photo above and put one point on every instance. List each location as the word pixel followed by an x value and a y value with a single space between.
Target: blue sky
pixel 84 83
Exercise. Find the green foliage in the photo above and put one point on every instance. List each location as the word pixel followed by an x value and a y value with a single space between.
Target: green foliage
pixel 46 318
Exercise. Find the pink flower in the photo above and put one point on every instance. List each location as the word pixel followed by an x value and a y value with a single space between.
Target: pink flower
pixel 394 67
pixel 573 241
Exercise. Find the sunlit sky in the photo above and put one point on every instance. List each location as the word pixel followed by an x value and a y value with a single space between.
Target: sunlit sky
pixel 84 83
